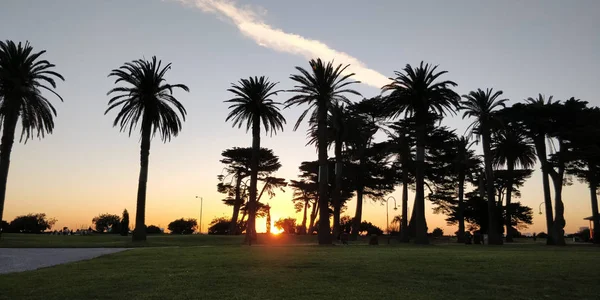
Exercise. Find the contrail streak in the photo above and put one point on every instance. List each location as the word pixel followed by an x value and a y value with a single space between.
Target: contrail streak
pixel 251 25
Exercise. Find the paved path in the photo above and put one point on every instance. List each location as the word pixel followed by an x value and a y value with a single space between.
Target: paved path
pixel 24 259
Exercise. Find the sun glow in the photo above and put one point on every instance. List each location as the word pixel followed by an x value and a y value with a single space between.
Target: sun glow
pixel 275 230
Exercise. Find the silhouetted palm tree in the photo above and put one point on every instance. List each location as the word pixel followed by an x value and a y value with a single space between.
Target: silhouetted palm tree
pixel 23 77
pixel 534 115
pixel 481 105
pixel 511 147
pixel 146 98
pixel 415 92
pixel 337 123
pixel 252 105
pixel 465 163
pixel 319 89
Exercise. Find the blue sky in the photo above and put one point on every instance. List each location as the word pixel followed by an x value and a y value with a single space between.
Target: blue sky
pixel 87 167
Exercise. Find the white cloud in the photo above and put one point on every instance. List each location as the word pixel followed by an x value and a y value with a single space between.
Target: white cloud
pixel 250 23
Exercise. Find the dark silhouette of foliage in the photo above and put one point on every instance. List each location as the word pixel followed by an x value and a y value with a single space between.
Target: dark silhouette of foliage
pixel 107 223
pixel 152 229
pixel 23 78
pixel 252 104
pixel 319 89
pixel 220 226
pixel 124 226
pixel 5 226
pixel 238 166
pixel 145 98
pixel 414 92
pixel 288 225
pixel 481 105
pixel 32 223
pixel 437 232
pixel 183 226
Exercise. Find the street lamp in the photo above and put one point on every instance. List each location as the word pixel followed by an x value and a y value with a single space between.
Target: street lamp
pixel 540 207
pixel 200 224
pixel 387 214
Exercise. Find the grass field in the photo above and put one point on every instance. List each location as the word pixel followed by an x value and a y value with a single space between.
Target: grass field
pixel 221 271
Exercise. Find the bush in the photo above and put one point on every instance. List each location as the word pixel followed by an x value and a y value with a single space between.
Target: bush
pixel 5 227
pixel 220 226
pixel 183 226
pixel 124 226
pixel 437 232
pixel 288 225
pixel 152 229
pixel 542 235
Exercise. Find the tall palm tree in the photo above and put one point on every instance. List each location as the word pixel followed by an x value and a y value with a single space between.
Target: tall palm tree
pixel 511 147
pixel 337 125
pixel 23 77
pixel 465 163
pixel 416 93
pixel 534 115
pixel 146 98
pixel 319 89
pixel 481 105
pixel 402 145
pixel 252 105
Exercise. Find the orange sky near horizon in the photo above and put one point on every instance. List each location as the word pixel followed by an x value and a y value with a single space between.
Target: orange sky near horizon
pixel 86 167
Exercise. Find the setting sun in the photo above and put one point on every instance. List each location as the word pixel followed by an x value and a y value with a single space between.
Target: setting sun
pixel 275 230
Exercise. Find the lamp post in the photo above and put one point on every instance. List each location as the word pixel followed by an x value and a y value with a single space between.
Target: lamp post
pixel 540 207
pixel 387 213
pixel 200 224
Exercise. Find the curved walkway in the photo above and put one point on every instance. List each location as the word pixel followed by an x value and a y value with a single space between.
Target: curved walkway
pixel 25 259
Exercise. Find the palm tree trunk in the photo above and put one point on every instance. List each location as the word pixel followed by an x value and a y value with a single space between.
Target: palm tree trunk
pixel 508 221
pixel 358 215
pixel 335 198
pixel 304 216
pixel 421 225
pixel 324 235
pixel 8 138
pixel 559 219
pixel 412 223
pixel 139 233
pixel 461 206
pixel 494 237
pixel 559 207
pixel 404 234
pixel 233 227
pixel 593 189
pixel 313 217
pixel 251 227
pixel 269 220
pixel 540 149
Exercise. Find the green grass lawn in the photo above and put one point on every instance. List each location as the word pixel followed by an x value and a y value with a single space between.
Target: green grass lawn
pixel 523 271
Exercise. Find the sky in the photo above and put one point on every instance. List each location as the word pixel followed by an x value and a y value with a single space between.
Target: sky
pixel 87 167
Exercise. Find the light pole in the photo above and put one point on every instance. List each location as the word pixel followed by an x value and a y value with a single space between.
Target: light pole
pixel 540 207
pixel 200 225
pixel 387 212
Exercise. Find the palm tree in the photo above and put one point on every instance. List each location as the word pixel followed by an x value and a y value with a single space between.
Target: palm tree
pixel 465 163
pixel 482 105
pixel 511 147
pixel 252 105
pixel 319 89
pixel 416 93
pixel 337 123
pixel 146 97
pixel 23 76
pixel 535 118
